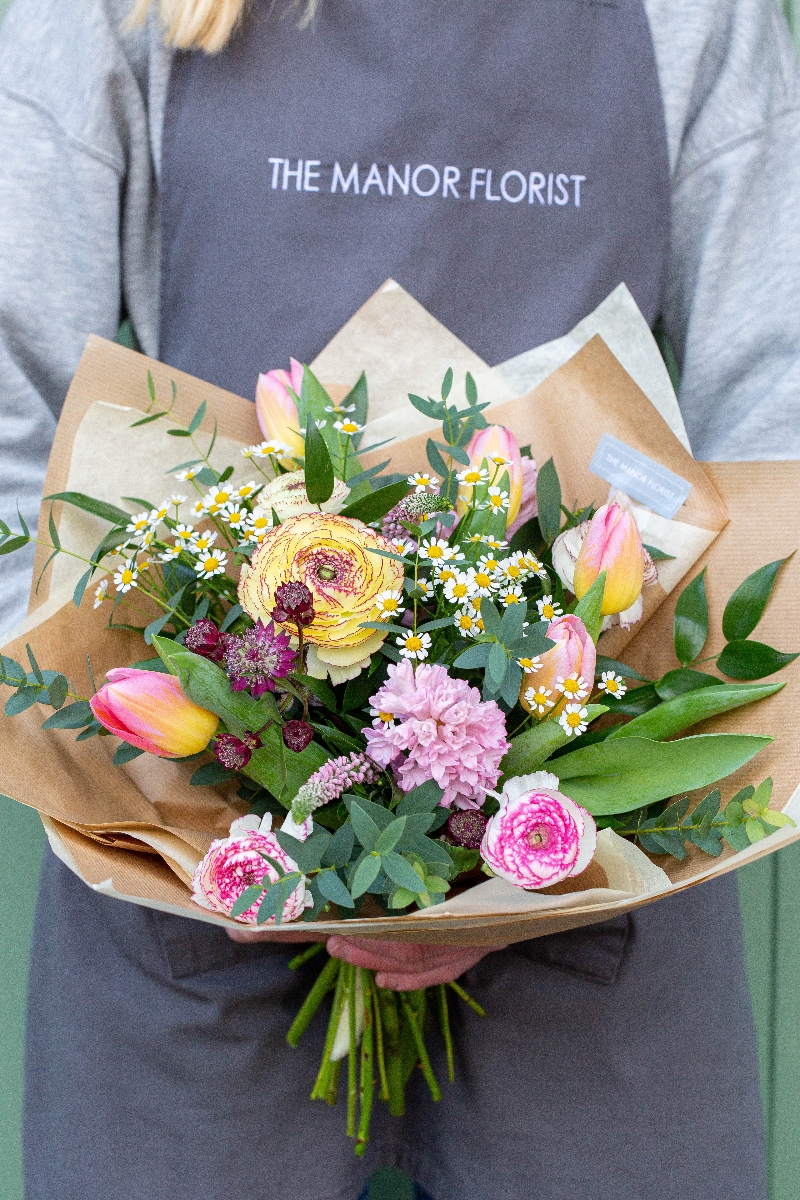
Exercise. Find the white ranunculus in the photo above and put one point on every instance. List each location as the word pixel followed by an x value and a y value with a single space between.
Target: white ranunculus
pixel 566 549
pixel 287 495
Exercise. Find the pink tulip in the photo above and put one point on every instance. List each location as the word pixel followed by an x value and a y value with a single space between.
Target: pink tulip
pixel 539 836
pixel 612 545
pixel 149 710
pixel 496 448
pixel 565 672
pixel 277 411
pixel 529 506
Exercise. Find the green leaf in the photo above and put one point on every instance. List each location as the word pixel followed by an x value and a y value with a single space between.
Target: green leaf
pixel 611 664
pixel 319 688
pixel 746 606
pixel 73 716
pixel 491 618
pixel 496 667
pixel 11 672
pixel 209 775
pixel 318 467
pixel 422 799
pixel 308 855
pixel 80 587
pixel 401 898
pixel 391 835
pixel 177 433
pixel 669 718
pixel 471 390
pixel 54 538
pixel 751 660
pixel 691 620
pixel 548 496
pixel 658 555
pixel 435 459
pixel 126 753
pixel 365 874
pixel 34 665
pixel 247 898
pixel 377 504
pixel 512 682
pixel 434 409
pixel 274 900
pixel 14 543
pixel 25 698
pixel 755 830
pixel 618 776
pixel 99 508
pixel 57 691
pixel 474 656
pixel 332 888
pixel 146 420
pixel 196 420
pixel 340 847
pixel 366 830
pixel 512 623
pixel 463 859
pixel 684 679
pixel 402 873
pixel 532 748
pixel 589 607
pixel 447 383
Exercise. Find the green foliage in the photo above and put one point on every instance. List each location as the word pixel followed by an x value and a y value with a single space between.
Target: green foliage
pixel 691 620
pixel 498 650
pixel 629 773
pixel 746 606
pixel 548 497
pixel 676 683
pixel 589 607
pixel 99 508
pixel 531 749
pixel 377 504
pixel 686 709
pixel 746 659
pixel 319 477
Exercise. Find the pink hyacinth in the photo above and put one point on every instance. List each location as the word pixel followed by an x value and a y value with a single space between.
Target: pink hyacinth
pixel 429 725
pixel 233 864
pixel 330 781
pixel 539 836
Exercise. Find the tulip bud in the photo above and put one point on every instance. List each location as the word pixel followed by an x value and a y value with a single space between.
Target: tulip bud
pixel 497 445
pixel 277 411
pixel 565 672
pixel 612 545
pixel 150 710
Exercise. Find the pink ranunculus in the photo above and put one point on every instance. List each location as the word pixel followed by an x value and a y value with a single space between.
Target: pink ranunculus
pixel 539 836
pixel 149 710
pixel 277 411
pixel 235 863
pixel 529 506
pixel 566 671
pixel 432 726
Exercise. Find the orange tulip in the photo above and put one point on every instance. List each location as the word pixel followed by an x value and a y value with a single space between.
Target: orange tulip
pixel 149 710
pixel 564 673
pixel 612 545
pixel 277 411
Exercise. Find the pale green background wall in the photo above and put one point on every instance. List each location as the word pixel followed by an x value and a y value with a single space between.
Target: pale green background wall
pixel 770 892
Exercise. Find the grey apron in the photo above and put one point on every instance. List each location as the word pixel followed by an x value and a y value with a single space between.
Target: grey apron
pixel 507 165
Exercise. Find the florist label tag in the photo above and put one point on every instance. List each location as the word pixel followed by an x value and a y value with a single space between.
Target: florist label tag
pixel 642 479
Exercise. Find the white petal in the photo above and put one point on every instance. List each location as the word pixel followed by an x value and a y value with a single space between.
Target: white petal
pixel 341 1043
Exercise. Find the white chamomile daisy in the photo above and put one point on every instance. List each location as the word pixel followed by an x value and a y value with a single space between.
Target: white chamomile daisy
pixel 169 555
pixel 426 588
pixel 348 427
pixel 139 523
pixel 496 500
pixel 444 572
pixel 340 408
pixel 260 524
pixel 459 589
pixel 211 563
pixel 530 664
pixel 473 475
pixel 422 481
pixel 436 550
pixel 246 490
pixel 548 610
pixel 177 500
pixel 499 460
pixel 482 580
pixel 235 516
pixel 389 605
pixel 125 578
pixel 533 566
pixel 183 534
pixel 493 543
pixel 574 686
pixel 216 496
pixel 612 684
pixel 100 593
pixel 489 564
pixel 574 720
pixel 385 719
pixel 414 645
pixel 402 546
pixel 514 567
pixel 189 473
pixel 157 515
pixel 200 542
pixel 538 700
pixel 199 509
pixel 466 623
pixel 512 595
pixel 144 539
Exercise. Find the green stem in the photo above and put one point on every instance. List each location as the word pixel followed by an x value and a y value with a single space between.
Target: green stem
pixel 325 982
pixel 352 1082
pixel 367 1083
pixel 332 1088
pixel 319 1091
pixel 394 1062
pixel 384 1092
pixel 311 950
pixel 473 1004
pixel 424 1061
pixel 444 1024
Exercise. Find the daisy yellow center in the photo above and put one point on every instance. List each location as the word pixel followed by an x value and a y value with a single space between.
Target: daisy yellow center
pixel 349 427
pixel 211 564
pixel 611 685
pixel 386 716
pixel 482 579
pixel 461 589
pixel 539 698
pixel 491 564
pixel 572 686
pixel 413 643
pixel 527 664
pixel 472 477
pixel 222 497
pixel 512 598
pixel 446 575
pixel 127 575
pixel 435 552
pixel 465 621
pixel 389 605
pixel 548 611
pixel 513 571
pixel 573 720
pixel 496 501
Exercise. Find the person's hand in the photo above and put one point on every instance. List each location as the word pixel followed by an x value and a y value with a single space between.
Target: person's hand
pixel 248 934
pixel 405 966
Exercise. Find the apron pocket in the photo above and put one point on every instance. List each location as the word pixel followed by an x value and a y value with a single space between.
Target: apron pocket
pixel 594 952
pixel 193 947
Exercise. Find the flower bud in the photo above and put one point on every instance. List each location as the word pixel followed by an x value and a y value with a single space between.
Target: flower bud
pixel 149 710
pixel 497 445
pixel 287 495
pixel 565 672
pixel 466 827
pixel 206 640
pixel 539 836
pixel 294 604
pixel 297 735
pixel 235 753
pixel 612 545
pixel 277 411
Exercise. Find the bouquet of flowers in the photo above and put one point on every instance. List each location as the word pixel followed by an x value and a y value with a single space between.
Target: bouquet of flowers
pixel 401 678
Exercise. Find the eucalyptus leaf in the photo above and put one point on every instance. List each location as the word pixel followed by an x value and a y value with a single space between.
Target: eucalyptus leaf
pixel 391 835
pixel 365 874
pixel 72 716
pixel 340 847
pixel 332 888
pixel 401 872
pixel 366 830
pixel 126 753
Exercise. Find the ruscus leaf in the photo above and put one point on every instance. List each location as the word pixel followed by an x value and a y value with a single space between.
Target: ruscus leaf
pixel 691 620
pixel 746 606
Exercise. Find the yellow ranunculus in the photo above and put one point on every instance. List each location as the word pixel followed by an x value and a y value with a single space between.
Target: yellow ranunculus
pixel 331 556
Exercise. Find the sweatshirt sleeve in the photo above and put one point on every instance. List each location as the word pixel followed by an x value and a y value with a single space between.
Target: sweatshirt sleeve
pixel 76 221
pixel 731 90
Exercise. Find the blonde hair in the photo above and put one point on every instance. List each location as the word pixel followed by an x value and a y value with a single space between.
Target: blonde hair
pixel 204 24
